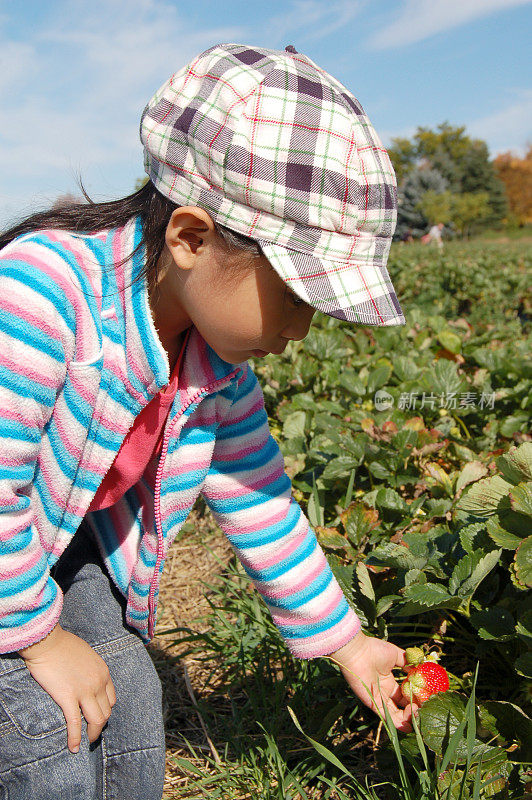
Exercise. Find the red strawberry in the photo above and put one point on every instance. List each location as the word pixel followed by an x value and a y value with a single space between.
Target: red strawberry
pixel 424 680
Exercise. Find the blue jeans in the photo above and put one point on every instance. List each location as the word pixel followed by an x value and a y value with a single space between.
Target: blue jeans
pixel 127 761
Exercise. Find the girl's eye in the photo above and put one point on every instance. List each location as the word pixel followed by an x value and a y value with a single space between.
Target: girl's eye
pixel 295 300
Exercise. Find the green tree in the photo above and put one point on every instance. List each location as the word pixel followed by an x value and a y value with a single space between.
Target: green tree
pixel 410 215
pixel 446 150
pixel 463 162
pixel 437 206
pixel 469 209
pixel 479 174
pixel 403 155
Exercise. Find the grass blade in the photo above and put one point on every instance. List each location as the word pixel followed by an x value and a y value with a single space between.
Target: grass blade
pixel 322 750
pixel 350 488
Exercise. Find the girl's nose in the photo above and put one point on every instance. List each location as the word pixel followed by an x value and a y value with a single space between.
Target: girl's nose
pixel 299 323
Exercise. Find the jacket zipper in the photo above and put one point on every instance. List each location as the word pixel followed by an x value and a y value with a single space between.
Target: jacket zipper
pixel 157 499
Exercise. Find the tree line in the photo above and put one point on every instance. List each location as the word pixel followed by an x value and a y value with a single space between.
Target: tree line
pixel 446 176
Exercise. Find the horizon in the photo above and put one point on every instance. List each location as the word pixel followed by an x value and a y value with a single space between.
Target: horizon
pixel 73 91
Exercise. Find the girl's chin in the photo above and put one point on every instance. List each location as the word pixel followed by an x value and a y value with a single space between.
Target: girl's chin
pixel 239 356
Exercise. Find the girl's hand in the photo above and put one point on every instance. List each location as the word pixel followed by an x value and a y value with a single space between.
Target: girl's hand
pixel 370 661
pixel 75 677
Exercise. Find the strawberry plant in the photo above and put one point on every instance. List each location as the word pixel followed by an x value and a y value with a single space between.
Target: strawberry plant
pixel 410 450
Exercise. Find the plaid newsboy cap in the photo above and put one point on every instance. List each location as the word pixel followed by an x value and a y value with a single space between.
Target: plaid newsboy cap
pixel 275 148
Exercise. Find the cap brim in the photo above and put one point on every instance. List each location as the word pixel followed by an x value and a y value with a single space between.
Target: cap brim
pixel 354 292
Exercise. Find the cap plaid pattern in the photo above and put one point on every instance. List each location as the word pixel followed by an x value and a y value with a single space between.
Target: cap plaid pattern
pixel 276 149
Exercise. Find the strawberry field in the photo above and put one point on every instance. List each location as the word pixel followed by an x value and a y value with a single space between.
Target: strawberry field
pixel 410 450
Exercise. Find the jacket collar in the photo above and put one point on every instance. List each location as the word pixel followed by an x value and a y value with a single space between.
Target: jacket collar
pixel 146 358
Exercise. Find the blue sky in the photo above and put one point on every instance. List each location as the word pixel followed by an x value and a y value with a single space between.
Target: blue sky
pixel 75 75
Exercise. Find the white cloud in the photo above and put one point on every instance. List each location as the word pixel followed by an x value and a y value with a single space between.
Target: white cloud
pixel 419 19
pixel 508 129
pixel 311 20
pixel 140 45
pixel 72 94
pixel 17 59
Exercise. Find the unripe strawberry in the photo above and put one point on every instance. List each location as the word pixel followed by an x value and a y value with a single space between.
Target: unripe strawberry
pixel 424 680
pixel 414 656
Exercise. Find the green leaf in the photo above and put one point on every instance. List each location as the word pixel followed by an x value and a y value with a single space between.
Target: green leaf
pixel 516 464
pixel 484 496
pixel 349 380
pixel 385 603
pixel 389 554
pixel 512 724
pixel 411 609
pixel 464 453
pixel 450 340
pixel 294 424
pixel 469 533
pixel 415 576
pixel 340 467
pixel 293 447
pixel 390 500
pixel 463 570
pixel 483 568
pixel 378 377
pixel 405 368
pixel 379 470
pixel 523 562
pixel 523 665
pixel 501 536
pixel 404 440
pixel 521 498
pixel 304 401
pixel 328 423
pixel 358 520
pixel 444 378
pixel 330 538
pixel 495 623
pixel 343 574
pixel 440 476
pixel 524 628
pixel 440 717
pixel 427 594
pixel 332 407
pixel 471 472
pixel 364 581
pixel 512 424
pixel 437 506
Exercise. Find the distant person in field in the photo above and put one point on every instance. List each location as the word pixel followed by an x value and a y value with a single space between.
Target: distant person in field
pixel 407 236
pixel 434 235
pixel 126 392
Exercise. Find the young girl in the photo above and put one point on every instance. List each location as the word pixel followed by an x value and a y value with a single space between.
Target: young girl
pixel 125 329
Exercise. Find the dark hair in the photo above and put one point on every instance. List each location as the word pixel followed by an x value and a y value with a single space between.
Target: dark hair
pixel 154 210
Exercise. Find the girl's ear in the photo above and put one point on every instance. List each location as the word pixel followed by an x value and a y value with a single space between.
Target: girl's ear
pixel 189 233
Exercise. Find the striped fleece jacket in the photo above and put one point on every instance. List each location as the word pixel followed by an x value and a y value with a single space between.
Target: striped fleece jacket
pixel 79 359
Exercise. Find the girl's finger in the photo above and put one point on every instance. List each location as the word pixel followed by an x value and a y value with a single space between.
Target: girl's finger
pixel 72 715
pixel 94 717
pixel 400 717
pixel 397 696
pixel 111 694
pixel 105 705
pixel 400 659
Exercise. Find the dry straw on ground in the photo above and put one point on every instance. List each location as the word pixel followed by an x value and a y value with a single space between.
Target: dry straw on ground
pixel 190 561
